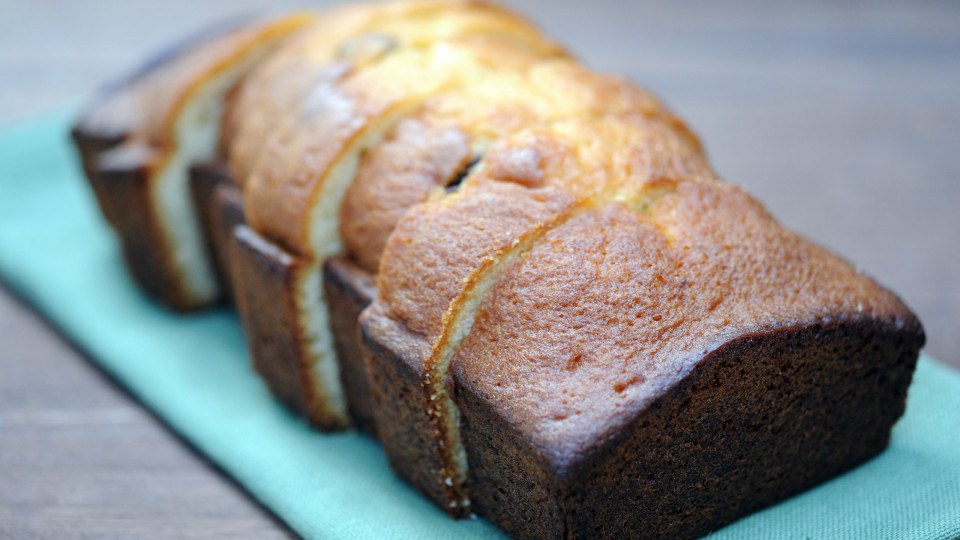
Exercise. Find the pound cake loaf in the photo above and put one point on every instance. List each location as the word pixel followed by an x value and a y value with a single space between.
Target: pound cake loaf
pixel 522 276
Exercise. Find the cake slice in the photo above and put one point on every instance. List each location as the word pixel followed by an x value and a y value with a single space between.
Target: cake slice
pixel 662 373
pixel 117 111
pixel 166 121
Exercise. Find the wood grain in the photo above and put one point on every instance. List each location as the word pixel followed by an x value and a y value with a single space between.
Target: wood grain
pixel 80 458
pixel 844 118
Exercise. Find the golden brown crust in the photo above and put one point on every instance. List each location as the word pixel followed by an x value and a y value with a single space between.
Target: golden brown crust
pixel 167 91
pixel 412 162
pixel 613 308
pixel 343 40
pixel 429 149
pixel 296 159
pixel 527 183
pixel 264 97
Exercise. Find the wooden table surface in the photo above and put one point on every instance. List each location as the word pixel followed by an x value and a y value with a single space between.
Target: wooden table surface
pixel 844 118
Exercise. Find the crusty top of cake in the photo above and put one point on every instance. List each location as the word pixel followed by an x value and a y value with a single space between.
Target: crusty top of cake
pixel 450 131
pixel 615 306
pixel 163 92
pixel 145 106
pixel 259 102
pixel 351 89
pixel 525 185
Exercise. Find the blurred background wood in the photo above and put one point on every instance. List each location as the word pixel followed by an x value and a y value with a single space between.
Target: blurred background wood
pixel 843 117
pixel 79 458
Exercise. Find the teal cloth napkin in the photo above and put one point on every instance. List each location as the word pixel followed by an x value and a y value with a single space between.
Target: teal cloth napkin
pixel 58 253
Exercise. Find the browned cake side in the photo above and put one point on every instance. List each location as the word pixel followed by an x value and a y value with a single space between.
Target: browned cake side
pixel 273 326
pixel 349 291
pixel 219 205
pixel 272 330
pixel 711 450
pixel 92 139
pixel 269 326
pixel 226 214
pixel 124 173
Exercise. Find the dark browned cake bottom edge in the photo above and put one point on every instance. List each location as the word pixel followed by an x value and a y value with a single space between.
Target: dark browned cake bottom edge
pixel 759 419
pixel 349 290
pixel 219 205
pixel 265 280
pixel 408 437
